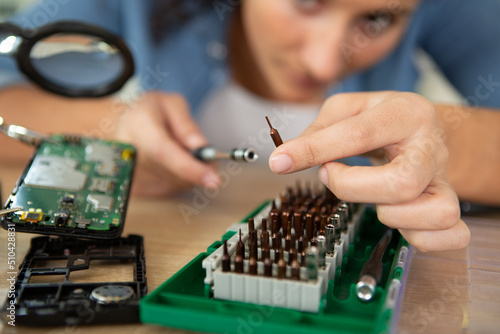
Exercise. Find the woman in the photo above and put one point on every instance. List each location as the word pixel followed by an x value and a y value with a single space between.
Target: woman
pixel 299 52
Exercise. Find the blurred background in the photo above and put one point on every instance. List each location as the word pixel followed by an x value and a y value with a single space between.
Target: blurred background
pixel 8 7
pixel 433 85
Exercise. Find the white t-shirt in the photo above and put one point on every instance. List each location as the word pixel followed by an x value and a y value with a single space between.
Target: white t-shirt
pixel 234 117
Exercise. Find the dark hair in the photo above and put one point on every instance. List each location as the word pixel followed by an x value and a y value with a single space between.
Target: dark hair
pixel 168 14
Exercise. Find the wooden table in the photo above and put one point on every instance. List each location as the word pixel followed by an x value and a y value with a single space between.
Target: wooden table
pixel 436 295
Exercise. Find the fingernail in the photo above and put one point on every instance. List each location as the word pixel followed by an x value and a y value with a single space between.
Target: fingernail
pixel 211 180
pixel 194 141
pixel 281 163
pixel 323 175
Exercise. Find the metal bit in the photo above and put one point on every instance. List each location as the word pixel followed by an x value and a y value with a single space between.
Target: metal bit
pixel 268 267
pixel 281 266
pixel 290 256
pixel 321 244
pixel 274 241
pixel 293 242
pixel 285 217
pixel 309 226
pixel 297 223
pixel 288 238
pixel 251 225
pixel 264 246
pixel 274 215
pixel 295 266
pixel 323 222
pixel 302 256
pixel 263 225
pixel 209 153
pixel 288 241
pixel 319 205
pixel 238 264
pixel 315 230
pixel 278 252
pixel 335 220
pixel 252 262
pixel 313 210
pixel 317 224
pixel 343 222
pixel 253 244
pixel 266 253
pixel 279 240
pixel 264 237
pixel 226 261
pixel 312 254
pixel 274 134
pixel 240 248
pixel 300 245
pixel 347 215
pixel 330 238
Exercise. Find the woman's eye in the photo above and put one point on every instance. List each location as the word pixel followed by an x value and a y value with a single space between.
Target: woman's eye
pixel 382 18
pixel 376 23
pixel 309 6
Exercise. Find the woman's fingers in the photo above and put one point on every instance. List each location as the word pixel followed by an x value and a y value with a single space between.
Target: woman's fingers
pixel 390 122
pixel 411 190
pixel 388 184
pixel 147 128
pixel 343 106
pixel 455 237
pixel 179 121
pixel 436 208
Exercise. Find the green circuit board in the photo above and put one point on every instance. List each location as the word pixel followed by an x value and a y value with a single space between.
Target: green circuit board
pixel 74 186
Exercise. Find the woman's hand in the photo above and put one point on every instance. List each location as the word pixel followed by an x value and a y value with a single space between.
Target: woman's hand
pixel 412 191
pixel 162 130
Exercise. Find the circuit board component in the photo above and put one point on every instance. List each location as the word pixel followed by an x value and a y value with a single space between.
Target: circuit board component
pixel 74 186
pixel 32 215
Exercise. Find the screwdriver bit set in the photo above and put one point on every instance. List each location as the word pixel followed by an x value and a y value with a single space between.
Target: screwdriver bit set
pixel 290 264
pixel 295 264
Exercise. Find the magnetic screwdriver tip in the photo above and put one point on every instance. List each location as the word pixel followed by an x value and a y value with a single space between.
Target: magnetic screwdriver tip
pixel 274 134
pixel 365 288
pixel 269 122
pixel 245 154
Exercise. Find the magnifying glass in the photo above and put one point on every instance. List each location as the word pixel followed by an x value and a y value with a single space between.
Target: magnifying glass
pixel 69 58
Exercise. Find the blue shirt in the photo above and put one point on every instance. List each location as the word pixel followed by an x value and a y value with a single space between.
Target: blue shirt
pixel 462 36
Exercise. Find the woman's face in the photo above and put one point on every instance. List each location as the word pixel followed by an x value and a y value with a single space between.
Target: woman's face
pixel 302 47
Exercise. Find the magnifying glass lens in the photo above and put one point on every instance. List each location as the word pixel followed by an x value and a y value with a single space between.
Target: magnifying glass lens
pixel 77 61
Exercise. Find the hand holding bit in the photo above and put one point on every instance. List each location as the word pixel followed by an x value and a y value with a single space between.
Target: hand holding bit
pixel 412 191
